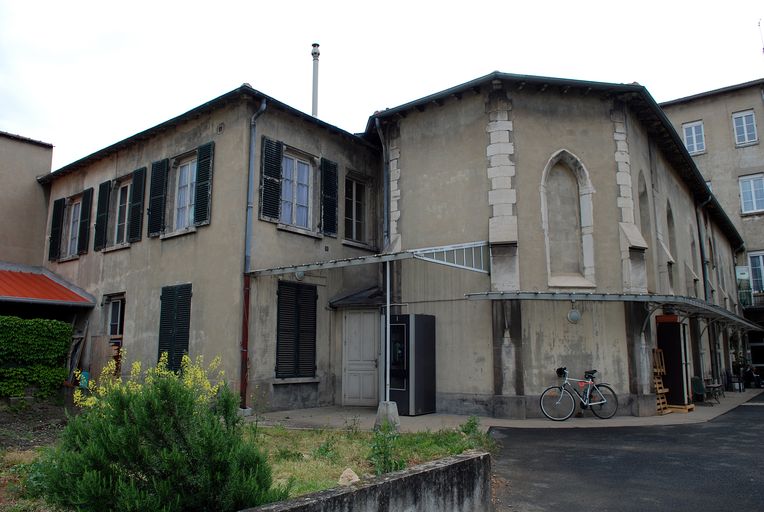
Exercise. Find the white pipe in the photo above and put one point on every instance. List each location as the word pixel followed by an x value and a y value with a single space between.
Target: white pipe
pixel 387 332
pixel 315 53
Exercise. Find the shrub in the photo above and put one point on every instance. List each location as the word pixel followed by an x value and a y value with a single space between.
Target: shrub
pixel 166 442
pixel 32 354
pixel 383 454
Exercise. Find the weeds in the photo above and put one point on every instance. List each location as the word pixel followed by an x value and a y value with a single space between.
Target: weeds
pixel 383 454
pixel 327 450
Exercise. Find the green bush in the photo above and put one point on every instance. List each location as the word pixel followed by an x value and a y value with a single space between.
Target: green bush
pixel 167 443
pixel 383 455
pixel 32 355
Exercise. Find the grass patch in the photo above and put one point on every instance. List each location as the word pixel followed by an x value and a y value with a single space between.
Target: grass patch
pixel 312 459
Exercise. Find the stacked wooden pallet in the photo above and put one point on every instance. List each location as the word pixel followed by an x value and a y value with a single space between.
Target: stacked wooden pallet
pixel 659 370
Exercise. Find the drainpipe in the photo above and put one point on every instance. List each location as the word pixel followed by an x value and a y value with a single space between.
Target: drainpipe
pixel 703 268
pixel 246 287
pixel 385 186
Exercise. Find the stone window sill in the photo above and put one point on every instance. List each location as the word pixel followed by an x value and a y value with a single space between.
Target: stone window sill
pixel 299 231
pixel 181 232
pixel 359 245
pixel 118 247
pixel 295 380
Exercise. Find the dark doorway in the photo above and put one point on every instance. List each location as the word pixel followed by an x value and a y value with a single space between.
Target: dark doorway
pixel 670 337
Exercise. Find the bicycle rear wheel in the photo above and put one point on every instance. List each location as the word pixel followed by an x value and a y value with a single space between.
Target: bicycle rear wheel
pixel 605 394
pixel 557 403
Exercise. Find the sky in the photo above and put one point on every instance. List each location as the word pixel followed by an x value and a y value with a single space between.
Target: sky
pixel 83 75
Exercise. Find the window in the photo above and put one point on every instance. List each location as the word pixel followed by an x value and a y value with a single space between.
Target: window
pixel 296 191
pixel 73 223
pixel 184 196
pixel 288 183
pixel 745 127
pixel 70 226
pixel 119 213
pixel 694 139
pixel 752 193
pixel 121 224
pixel 180 191
pixel 174 323
pixel 757 271
pixel 355 210
pixel 296 330
pixel 116 305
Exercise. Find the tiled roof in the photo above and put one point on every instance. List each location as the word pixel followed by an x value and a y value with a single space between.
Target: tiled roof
pixel 17 286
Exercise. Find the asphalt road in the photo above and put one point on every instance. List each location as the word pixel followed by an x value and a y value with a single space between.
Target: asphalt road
pixel 718 465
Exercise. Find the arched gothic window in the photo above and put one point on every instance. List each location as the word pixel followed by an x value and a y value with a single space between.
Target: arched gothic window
pixel 567 218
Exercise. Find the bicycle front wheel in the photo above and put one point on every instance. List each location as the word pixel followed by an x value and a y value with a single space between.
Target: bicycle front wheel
pixel 557 403
pixel 603 401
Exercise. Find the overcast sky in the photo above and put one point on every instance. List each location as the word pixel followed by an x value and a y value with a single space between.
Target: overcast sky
pixel 83 75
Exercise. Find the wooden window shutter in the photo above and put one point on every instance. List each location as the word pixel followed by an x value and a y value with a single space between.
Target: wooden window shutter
pixel 56 228
pixel 102 216
pixel 296 330
pixel 84 227
pixel 270 179
pixel 135 213
pixel 306 351
pixel 328 197
pixel 157 194
pixel 203 193
pixel 174 323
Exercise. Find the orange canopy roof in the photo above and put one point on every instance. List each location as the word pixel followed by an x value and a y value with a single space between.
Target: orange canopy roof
pixel 16 286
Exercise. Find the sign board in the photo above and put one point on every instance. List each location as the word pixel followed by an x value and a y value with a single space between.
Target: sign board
pixel 742 273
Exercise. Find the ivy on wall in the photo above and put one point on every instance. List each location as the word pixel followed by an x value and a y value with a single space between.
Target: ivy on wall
pixel 32 355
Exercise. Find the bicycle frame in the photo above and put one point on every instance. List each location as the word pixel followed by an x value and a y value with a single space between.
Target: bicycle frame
pixel 587 389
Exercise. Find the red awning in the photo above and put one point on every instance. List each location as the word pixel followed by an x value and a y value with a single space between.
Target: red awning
pixel 17 286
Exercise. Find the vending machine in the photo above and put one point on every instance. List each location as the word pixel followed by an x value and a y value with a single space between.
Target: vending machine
pixel 412 363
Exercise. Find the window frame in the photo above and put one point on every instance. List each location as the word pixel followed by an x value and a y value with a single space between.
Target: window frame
pixel 297 159
pixel 118 300
pixel 751 178
pixel 759 255
pixel 742 115
pixel 693 125
pixel 72 226
pixel 125 185
pixel 184 221
pixel 355 236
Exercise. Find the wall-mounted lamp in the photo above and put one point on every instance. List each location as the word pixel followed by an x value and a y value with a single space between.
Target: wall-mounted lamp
pixel 574 315
pixel 299 275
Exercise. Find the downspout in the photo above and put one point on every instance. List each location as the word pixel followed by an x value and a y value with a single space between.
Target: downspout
pixel 703 268
pixel 385 186
pixel 244 373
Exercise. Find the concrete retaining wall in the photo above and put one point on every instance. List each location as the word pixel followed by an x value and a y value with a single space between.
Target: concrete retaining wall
pixel 460 483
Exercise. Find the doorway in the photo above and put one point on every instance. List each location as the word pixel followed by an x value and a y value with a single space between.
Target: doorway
pixel 672 340
pixel 360 352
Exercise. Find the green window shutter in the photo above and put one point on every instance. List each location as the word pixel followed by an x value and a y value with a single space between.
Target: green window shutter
pixel 296 330
pixel 328 197
pixel 135 213
pixel 203 193
pixel 102 216
pixel 270 179
pixel 169 300
pixel 157 194
pixel 84 235
pixel 174 323
pixel 56 228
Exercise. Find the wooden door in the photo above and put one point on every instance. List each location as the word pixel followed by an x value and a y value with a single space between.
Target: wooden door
pixel 360 342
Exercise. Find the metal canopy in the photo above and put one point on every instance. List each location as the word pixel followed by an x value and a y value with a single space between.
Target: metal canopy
pixel 687 305
pixel 471 256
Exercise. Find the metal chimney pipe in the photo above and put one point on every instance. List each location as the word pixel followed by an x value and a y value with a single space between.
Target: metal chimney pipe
pixel 315 53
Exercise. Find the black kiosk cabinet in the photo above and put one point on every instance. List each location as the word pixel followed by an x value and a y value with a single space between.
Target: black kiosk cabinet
pixel 412 363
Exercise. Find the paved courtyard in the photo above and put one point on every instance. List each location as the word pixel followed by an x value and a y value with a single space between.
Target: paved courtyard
pixel 716 465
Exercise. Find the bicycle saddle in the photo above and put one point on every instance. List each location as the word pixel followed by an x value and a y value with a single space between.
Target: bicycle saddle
pixel 589 374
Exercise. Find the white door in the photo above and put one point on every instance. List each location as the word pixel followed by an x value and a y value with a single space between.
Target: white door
pixel 360 348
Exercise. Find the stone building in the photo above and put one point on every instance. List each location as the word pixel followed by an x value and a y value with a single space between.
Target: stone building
pixel 542 222
pixel 720 129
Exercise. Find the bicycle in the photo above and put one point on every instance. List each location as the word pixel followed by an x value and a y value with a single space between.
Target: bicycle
pixel 557 402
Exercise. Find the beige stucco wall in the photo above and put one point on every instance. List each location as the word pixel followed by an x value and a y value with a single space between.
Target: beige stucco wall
pixel 23 202
pixel 210 258
pixel 723 163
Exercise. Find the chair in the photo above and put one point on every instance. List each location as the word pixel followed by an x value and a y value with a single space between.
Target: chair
pixel 699 390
